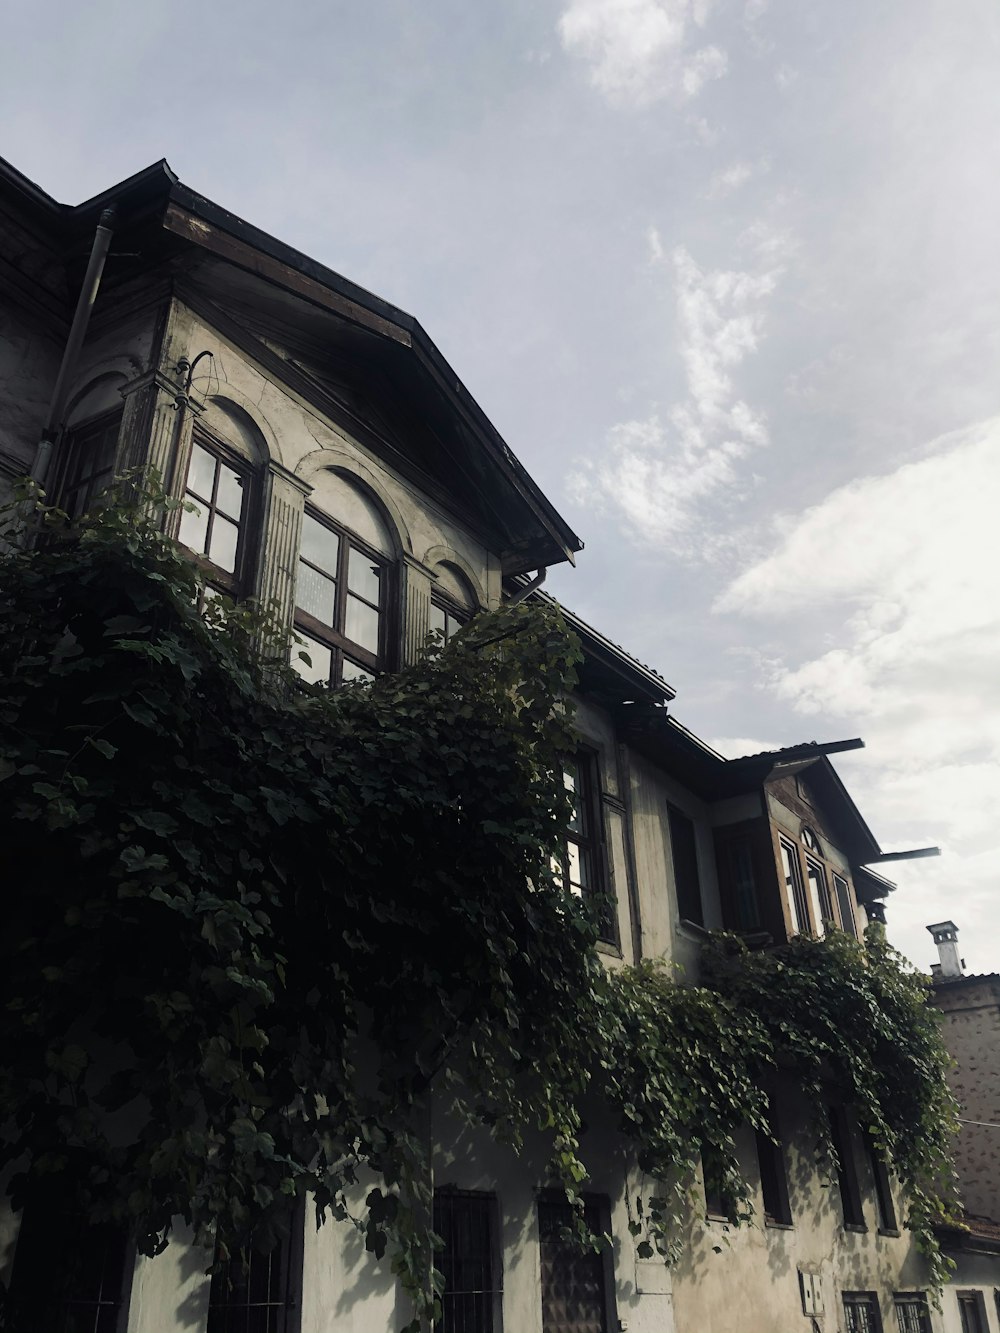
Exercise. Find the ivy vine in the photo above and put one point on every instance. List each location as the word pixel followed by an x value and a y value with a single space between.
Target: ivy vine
pixel 254 924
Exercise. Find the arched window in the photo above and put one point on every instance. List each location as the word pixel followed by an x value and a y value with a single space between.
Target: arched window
pixel 219 489
pixel 342 592
pixel 452 600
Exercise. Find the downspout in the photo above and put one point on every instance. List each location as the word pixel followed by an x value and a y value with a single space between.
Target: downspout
pixel 71 352
pixel 528 588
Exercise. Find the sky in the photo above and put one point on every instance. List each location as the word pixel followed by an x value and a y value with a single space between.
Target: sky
pixel 724 273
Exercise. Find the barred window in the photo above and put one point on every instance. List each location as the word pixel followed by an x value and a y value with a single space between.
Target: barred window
pixel 69 1276
pixel 257 1293
pixel 472 1294
pixel 575 1281
pixel 861 1313
pixel 911 1312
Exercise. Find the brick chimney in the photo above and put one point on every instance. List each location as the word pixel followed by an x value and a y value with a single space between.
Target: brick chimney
pixel 945 934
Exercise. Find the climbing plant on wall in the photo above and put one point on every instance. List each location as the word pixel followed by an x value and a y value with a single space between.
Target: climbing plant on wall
pixel 249 925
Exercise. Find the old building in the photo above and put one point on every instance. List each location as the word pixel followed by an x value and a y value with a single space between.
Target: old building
pixel 970 1007
pixel 339 469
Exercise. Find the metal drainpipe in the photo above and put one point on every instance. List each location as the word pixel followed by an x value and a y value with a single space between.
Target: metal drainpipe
pixel 71 352
pixel 528 588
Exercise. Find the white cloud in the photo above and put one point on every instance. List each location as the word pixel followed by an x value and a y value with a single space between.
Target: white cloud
pixel 659 472
pixel 884 597
pixel 641 51
pixel 729 179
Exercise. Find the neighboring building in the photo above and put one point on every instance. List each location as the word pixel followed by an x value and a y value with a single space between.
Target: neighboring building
pixel 342 472
pixel 970 1006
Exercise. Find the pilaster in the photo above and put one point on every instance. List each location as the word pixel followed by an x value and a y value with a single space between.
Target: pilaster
pixel 281 532
pixel 417 583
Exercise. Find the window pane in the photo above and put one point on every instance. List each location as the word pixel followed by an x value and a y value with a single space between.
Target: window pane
pixel 201 473
pixel 363 577
pixel 579 867
pixel 319 545
pixel 362 624
pixel 437 620
pixel 318 668
pixel 230 496
pixel 315 593
pixel 352 671
pixel 194 529
pixel 222 550
pixel 571 782
pixel 684 855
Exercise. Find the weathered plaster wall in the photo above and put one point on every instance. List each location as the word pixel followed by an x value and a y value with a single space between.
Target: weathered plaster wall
pixel 745 1279
pixel 971 1009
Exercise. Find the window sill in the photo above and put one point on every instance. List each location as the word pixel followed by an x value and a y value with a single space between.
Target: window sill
pixel 609 949
pixel 773 1225
pixel 858 1228
pixel 890 1231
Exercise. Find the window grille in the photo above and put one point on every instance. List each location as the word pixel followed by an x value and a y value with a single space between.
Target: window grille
pixel 911 1312
pixel 861 1313
pixel 465 1223
pixel 69 1276
pixel 574 1283
pixel 255 1292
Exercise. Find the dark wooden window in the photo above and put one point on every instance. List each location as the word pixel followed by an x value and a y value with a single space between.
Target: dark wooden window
pixel 574 1280
pixel 773 1176
pixel 861 1312
pixel 719 1204
pixel 744 884
pixel 819 895
pixel 465 1222
pixel 794 889
pixel 884 1208
pixel 218 490
pixel 583 867
pixel 446 618
pixel 912 1315
pixel 847 1172
pixel 341 596
pixel 843 891
pixel 684 854
pixel 69 1276
pixel 972 1312
pixel 89 452
pixel 258 1293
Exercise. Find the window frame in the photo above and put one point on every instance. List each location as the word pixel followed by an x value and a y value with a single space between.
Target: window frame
pixel 911 1300
pixel 289 1318
pixel 591 842
pixel 236 583
pixel 46 1214
pixel 333 637
pixel 842 1142
pixel 597 1213
pixel 865 1300
pixel 971 1299
pixel 771 1150
pixel 486 1201
pixel 683 886
pixel 452 612
pixel 73 449
pixel 796 900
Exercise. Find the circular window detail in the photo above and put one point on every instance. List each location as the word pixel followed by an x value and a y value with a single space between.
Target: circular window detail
pixel 809 840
